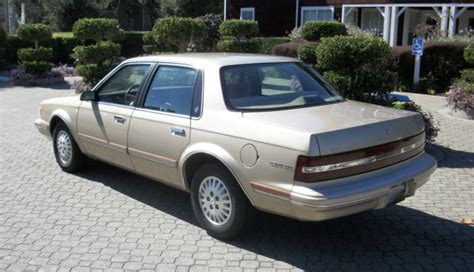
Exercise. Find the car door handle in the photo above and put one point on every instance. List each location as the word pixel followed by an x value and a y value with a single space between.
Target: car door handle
pixel 178 131
pixel 119 119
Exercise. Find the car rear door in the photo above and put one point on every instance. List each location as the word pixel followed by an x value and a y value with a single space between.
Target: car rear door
pixel 103 124
pixel 160 128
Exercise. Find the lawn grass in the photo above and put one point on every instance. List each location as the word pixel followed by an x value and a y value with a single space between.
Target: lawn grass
pixel 63 35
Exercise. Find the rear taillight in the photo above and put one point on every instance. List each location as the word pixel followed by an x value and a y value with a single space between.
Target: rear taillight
pixel 313 169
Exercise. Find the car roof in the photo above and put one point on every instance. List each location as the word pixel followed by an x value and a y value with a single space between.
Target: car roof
pixel 216 59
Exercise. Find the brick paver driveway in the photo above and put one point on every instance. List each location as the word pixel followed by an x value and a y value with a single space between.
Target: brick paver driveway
pixel 106 218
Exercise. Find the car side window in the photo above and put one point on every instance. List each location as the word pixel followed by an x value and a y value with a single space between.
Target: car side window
pixel 123 86
pixel 171 90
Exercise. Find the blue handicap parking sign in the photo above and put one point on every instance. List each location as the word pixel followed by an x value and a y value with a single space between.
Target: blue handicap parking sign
pixel 417 48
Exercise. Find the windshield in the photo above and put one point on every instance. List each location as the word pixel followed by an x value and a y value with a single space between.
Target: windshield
pixel 275 86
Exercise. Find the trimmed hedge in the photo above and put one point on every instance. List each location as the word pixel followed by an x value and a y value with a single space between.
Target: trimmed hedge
pixel 34 32
pixel 3 41
pixel 179 32
pixel 307 53
pixel 35 60
pixel 245 46
pixel 132 43
pixel 356 66
pixel 97 29
pixel 93 73
pixel 35 54
pixel 96 53
pixel 315 30
pixel 63 47
pixel 290 49
pixel 441 63
pixel 96 60
pixel 39 68
pixel 239 28
pixel 267 43
pixel 469 53
pixel 212 22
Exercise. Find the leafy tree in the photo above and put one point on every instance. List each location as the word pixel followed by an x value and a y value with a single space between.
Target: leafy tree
pixel 62 14
pixel 180 32
pixel 94 61
pixel 190 8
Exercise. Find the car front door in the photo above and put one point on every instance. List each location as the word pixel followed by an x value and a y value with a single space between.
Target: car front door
pixel 103 124
pixel 160 128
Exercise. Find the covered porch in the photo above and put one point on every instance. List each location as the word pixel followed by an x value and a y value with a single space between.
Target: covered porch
pixel 398 23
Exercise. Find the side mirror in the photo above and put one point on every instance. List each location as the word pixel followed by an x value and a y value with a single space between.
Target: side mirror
pixel 89 96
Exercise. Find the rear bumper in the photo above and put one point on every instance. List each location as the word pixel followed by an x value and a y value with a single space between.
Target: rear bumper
pixel 374 190
pixel 43 127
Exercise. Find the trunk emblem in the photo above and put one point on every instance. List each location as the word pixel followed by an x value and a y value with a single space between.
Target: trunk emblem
pixel 281 166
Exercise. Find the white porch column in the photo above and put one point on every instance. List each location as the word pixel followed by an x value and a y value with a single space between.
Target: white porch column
pixel 444 20
pixel 454 15
pixel 396 12
pixel 452 21
pixel 394 27
pixel 225 10
pixel 406 27
pixel 386 24
pixel 297 13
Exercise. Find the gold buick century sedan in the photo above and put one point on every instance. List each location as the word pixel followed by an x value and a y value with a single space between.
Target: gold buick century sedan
pixel 240 132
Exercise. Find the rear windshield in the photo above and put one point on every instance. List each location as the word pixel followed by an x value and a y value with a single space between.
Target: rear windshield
pixel 275 86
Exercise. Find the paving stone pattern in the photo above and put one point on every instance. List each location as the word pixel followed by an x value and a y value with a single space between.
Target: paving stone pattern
pixel 108 219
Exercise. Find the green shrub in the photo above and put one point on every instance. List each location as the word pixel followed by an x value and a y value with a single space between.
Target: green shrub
pixel 35 54
pixel 132 43
pixel 212 22
pixel 356 66
pixel 3 37
pixel 267 43
pixel 3 41
pixel 13 43
pixel 180 32
pixel 148 38
pixel 97 29
pixel 307 53
pixel 96 53
pixel 290 49
pixel 239 28
pixel 93 73
pixel 441 64
pixel 35 60
pixel 469 53
pixel 38 68
pixel 467 75
pixel 236 46
pixel 34 32
pixel 315 30
pixel 62 48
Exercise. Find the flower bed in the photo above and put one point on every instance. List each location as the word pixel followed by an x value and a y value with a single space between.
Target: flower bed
pixel 55 76
pixel 461 100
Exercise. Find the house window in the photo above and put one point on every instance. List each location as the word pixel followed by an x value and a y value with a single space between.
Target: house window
pixel 247 14
pixel 325 13
pixel 372 21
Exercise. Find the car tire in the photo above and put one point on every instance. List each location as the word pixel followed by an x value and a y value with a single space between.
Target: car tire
pixel 67 153
pixel 225 217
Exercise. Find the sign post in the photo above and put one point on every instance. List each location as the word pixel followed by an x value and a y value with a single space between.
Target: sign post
pixel 417 51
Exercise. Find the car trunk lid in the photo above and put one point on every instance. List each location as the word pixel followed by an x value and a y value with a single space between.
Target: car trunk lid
pixel 345 126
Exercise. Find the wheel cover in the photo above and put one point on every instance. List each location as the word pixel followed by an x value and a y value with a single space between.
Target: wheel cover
pixel 64 148
pixel 215 201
